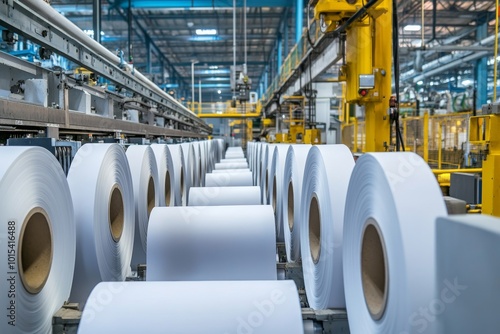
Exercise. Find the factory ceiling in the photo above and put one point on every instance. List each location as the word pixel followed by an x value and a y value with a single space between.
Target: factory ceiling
pixel 172 35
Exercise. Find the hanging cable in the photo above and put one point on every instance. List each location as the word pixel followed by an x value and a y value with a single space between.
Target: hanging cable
pixel 395 54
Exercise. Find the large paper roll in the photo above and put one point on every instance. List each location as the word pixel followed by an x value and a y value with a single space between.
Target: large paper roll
pixel 37 239
pixel 467 298
pixel 189 166
pixel 266 307
pixel 196 165
pixel 389 242
pixel 201 243
pixel 250 150
pixel 235 160
pixel 101 188
pixel 261 163
pixel 203 162
pixel 166 180
pixel 267 164
pixel 210 196
pixel 146 196
pixel 228 179
pixel 324 189
pixel 176 167
pixel 210 156
pixel 230 165
pixel 293 174
pixel 241 170
pixel 276 187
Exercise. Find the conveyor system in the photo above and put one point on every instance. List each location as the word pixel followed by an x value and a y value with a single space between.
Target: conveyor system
pixel 34 97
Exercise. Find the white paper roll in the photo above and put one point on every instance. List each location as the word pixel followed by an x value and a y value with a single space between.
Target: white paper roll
pixel 210 196
pixel 235 160
pixel 101 188
pixel 228 179
pixel 392 203
pixel 264 181
pixel 324 189
pixel 37 239
pixel 293 174
pixel 260 162
pixel 146 196
pixel 265 307
pixel 250 150
pixel 176 167
pixel 230 165
pixel 276 187
pixel 241 170
pixel 189 166
pixel 210 156
pixel 201 243
pixel 196 164
pixel 467 298
pixel 166 180
pixel 203 161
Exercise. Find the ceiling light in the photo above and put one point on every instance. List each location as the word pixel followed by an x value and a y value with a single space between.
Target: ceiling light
pixel 219 91
pixel 466 82
pixel 214 67
pixel 412 27
pixel 205 32
pixel 420 82
pixel 190 24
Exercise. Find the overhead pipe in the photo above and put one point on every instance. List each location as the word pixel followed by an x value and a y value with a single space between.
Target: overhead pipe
pixel 234 46
pixel 62 23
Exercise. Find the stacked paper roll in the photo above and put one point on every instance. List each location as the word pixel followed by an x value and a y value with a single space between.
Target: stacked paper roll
pixel 261 163
pixel 264 182
pixel 228 179
pixel 37 237
pixel 210 156
pixel 295 163
pixel 146 196
pixel 389 242
pixel 266 307
pixel 203 162
pixel 175 163
pixel 196 165
pixel 102 193
pixel 231 165
pixel 189 158
pixel 166 180
pixel 201 243
pixel 235 160
pixel 240 170
pixel 210 196
pixel 276 187
pixel 327 172
pixel 250 150
pixel 467 296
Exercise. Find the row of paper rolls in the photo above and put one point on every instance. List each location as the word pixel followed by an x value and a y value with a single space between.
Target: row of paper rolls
pixel 363 239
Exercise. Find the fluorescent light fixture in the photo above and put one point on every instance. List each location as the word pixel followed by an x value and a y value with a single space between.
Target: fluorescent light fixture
pixel 420 82
pixel 214 67
pixel 412 27
pixel 205 32
pixel 219 91
pixel 466 82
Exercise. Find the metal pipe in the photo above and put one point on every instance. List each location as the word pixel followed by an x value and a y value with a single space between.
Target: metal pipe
pixel 422 26
pixel 458 170
pixel 495 62
pixel 234 45
pixel 245 34
pixel 96 20
pixel 299 19
pixel 199 97
pixel 129 26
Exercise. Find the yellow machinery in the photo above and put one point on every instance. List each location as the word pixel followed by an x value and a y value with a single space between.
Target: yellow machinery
pixel 367 70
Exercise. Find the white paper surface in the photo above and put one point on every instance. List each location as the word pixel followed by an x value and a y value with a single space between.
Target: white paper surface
pixel 327 172
pixel 189 166
pixel 167 197
pixel 266 165
pixel 143 168
pixel 31 177
pixel 211 196
pixel 231 165
pixel 241 170
pixel 96 170
pixel 399 193
pixel 211 243
pixel 233 160
pixel 176 164
pixel 276 178
pixel 293 173
pixel 265 307
pixel 228 179
pixel 468 289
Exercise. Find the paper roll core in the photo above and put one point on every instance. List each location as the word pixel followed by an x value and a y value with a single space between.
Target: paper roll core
pixel 275 189
pixel 374 270
pixel 290 206
pixel 151 195
pixel 35 250
pixel 116 213
pixel 168 190
pixel 314 229
pixel 182 181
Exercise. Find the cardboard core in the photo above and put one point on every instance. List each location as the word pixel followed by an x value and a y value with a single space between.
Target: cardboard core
pixel 116 213
pixel 290 206
pixel 35 250
pixel 151 195
pixel 374 270
pixel 274 195
pixel 168 190
pixel 314 229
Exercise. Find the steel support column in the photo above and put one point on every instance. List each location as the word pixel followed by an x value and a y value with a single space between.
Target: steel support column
pixel 481 70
